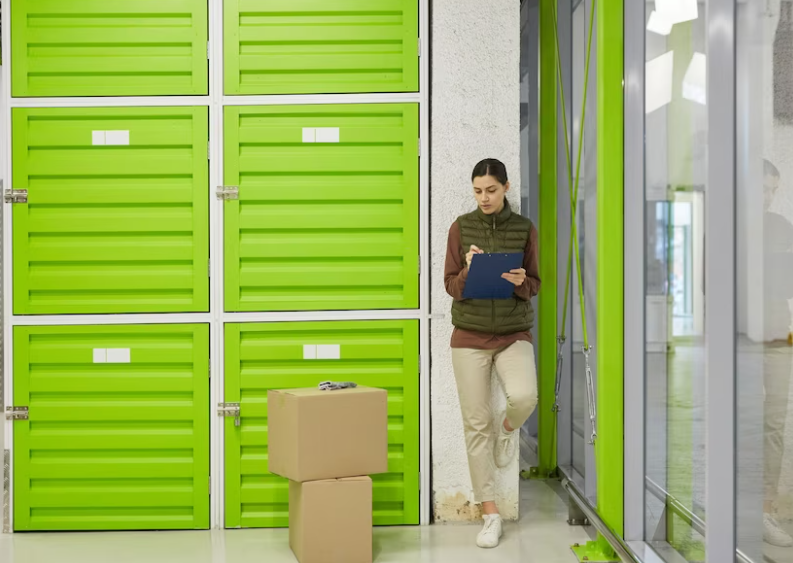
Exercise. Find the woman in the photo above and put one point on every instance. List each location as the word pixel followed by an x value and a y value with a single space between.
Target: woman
pixel 491 333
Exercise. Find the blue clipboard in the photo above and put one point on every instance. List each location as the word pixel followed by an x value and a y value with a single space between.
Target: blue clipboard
pixel 484 279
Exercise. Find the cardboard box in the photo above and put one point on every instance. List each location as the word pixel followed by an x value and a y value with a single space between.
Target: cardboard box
pixel 331 521
pixel 315 435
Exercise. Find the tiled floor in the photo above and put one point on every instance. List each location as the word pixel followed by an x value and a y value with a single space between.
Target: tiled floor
pixel 541 536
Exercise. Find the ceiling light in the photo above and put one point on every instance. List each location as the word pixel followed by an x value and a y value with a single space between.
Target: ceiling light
pixel 658 87
pixel 658 24
pixel 695 80
pixel 677 11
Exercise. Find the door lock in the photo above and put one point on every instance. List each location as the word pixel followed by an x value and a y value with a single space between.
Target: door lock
pixel 230 409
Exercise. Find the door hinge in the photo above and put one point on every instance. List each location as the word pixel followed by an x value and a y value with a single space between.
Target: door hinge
pixel 209 268
pixel 209 487
pixel 17 413
pixel 419 364
pixel 419 147
pixel 419 45
pixel 207 50
pixel 209 150
pixel 15 196
pixel 419 264
pixel 228 192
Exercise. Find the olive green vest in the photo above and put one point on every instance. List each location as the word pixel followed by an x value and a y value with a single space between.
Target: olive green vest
pixel 502 232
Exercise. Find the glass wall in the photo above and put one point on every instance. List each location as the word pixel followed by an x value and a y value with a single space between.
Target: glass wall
pixel 675 187
pixel 529 178
pixel 577 43
pixel 708 163
pixel 717 161
pixel 764 281
pixel 584 123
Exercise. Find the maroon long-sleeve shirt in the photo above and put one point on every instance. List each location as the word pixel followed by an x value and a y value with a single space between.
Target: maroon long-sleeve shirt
pixel 456 272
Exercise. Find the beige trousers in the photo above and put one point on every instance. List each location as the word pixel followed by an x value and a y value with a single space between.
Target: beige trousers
pixel 777 371
pixel 518 375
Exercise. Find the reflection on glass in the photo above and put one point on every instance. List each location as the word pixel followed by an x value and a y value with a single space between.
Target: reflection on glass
pixel 764 284
pixel 586 228
pixel 529 184
pixel 675 191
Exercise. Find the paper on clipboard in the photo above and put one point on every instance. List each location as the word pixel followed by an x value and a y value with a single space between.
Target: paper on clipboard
pixel 484 276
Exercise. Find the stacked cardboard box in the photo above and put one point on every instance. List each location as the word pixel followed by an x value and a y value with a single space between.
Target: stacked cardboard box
pixel 327 443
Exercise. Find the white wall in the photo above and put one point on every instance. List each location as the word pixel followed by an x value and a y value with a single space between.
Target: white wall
pixel 475 115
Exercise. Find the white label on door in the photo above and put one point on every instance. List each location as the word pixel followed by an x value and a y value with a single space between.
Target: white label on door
pixel 100 356
pixel 309 135
pixel 116 137
pixel 309 352
pixel 328 352
pixel 97 137
pixel 118 356
pixel 327 134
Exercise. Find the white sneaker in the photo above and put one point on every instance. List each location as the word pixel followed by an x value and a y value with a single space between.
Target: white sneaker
pixel 491 533
pixel 506 446
pixel 773 534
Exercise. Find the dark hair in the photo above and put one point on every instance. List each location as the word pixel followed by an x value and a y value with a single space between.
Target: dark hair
pixel 490 167
pixel 769 169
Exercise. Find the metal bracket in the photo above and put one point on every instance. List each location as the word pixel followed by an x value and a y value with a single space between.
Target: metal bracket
pixel 17 413
pixel 575 516
pixel 591 399
pixel 226 193
pixel 15 196
pixel 228 410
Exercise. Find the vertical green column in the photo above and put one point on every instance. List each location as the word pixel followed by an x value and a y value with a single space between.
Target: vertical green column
pixel 546 301
pixel 610 446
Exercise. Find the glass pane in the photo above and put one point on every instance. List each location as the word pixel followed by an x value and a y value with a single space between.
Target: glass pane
pixel 764 284
pixel 675 187
pixel 581 426
pixel 529 178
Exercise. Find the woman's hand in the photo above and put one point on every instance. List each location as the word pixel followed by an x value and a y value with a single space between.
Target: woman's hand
pixel 470 255
pixel 516 277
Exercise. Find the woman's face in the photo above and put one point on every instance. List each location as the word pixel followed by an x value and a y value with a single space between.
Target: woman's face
pixel 490 194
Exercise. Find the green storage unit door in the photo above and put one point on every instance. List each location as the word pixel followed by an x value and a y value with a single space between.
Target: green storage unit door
pixel 260 357
pixel 109 48
pixel 117 217
pixel 321 46
pixel 327 216
pixel 118 429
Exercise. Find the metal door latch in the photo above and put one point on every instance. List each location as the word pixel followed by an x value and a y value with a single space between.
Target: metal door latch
pixel 15 196
pixel 230 409
pixel 17 413
pixel 228 192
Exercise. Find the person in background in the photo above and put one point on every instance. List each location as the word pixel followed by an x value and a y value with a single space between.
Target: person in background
pixel 490 333
pixel 777 355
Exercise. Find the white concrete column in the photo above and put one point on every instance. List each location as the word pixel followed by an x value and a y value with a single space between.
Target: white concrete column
pixel 475 114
